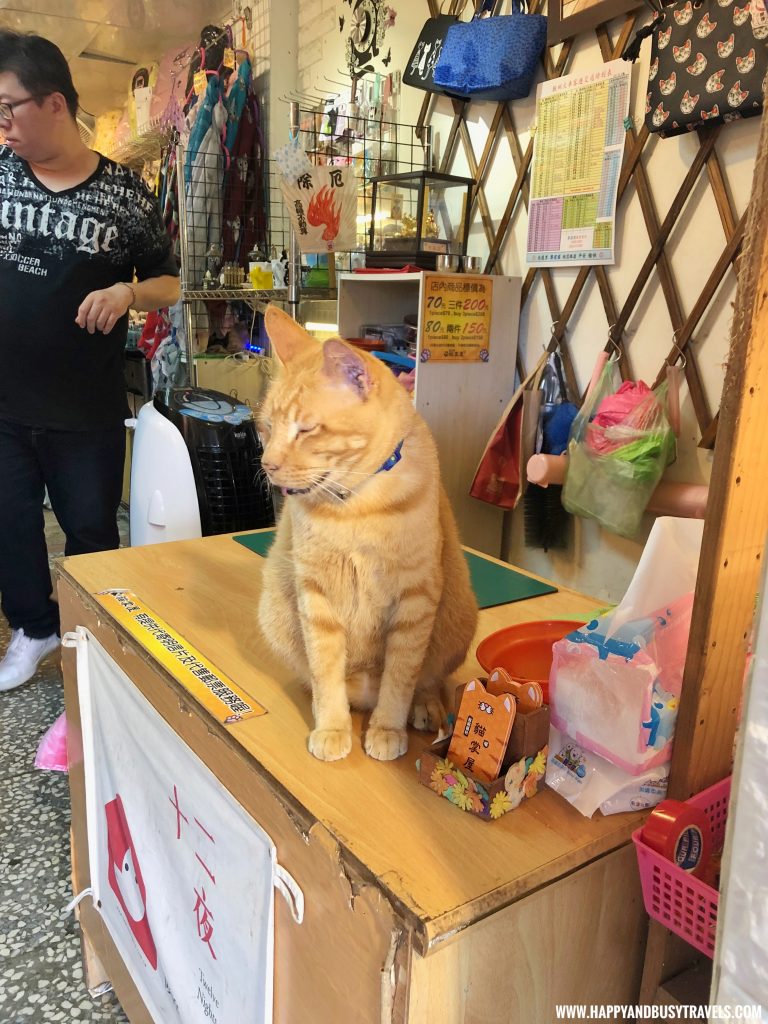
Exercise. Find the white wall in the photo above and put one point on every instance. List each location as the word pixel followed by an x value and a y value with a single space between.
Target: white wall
pixel 598 563
pixel 740 968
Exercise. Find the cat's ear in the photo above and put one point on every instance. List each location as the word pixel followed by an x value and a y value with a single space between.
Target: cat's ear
pixel 288 338
pixel 345 365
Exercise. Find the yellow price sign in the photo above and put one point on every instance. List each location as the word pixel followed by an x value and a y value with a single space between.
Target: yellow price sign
pixel 228 60
pixel 200 82
pixel 456 318
pixel 206 683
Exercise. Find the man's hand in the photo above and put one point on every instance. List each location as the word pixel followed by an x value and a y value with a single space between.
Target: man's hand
pixel 100 310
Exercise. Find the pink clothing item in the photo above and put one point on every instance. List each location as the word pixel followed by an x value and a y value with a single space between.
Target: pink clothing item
pixel 617 408
pixel 621 417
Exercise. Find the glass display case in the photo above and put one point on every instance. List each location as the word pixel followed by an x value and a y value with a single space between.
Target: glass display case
pixel 416 216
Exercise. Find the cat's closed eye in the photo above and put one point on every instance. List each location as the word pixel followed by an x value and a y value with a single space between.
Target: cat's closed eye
pixel 308 430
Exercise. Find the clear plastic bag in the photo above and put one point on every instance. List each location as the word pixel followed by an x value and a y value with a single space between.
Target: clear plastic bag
pixel 619 446
pixel 615 683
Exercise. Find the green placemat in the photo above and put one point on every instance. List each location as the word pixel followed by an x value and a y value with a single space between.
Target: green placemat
pixel 493 583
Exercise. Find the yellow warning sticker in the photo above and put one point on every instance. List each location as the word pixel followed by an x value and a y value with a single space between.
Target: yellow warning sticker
pixel 207 684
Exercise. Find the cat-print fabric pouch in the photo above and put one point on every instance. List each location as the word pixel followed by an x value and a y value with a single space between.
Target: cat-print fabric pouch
pixel 708 63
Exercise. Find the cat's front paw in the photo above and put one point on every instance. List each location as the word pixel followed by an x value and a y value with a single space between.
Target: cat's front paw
pixel 330 744
pixel 385 744
pixel 427 714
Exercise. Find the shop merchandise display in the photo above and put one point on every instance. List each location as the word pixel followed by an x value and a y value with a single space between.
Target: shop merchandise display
pixel 203 96
pixel 419 71
pixel 492 58
pixel 708 64
pixel 497 754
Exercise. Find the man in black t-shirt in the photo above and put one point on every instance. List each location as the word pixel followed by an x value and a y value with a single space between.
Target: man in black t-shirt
pixel 74 230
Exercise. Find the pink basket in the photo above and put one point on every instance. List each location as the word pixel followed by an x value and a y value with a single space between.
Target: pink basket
pixel 681 902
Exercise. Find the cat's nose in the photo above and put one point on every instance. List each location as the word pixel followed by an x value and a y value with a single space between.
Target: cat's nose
pixel 270 467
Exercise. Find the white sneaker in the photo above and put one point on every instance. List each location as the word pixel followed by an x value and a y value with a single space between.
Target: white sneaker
pixel 23 656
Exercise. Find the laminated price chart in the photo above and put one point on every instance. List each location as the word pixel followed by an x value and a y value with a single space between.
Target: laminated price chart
pixel 580 131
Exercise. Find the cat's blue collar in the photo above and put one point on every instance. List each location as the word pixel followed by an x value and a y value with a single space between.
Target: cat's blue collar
pixel 392 461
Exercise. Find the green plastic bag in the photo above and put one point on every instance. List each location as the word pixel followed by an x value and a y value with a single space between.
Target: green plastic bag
pixel 615 459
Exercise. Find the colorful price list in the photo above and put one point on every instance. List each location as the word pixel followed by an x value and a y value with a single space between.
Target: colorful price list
pixel 456 318
pixel 579 142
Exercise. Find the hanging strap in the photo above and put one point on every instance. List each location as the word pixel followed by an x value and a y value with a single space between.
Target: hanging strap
pixel 289 888
pixel 632 50
pixel 88 891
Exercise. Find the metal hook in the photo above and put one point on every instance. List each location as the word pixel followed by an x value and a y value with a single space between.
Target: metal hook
pixel 334 81
pixel 680 353
pixel 616 346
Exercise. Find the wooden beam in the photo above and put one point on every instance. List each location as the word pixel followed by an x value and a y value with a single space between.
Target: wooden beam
pixel 731 553
pixel 735 527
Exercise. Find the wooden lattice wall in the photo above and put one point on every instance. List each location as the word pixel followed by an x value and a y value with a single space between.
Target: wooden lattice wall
pixel 720 257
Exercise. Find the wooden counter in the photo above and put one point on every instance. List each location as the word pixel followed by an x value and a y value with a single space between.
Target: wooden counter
pixel 415 911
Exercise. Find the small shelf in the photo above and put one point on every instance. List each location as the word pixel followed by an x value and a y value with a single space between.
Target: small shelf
pixel 246 294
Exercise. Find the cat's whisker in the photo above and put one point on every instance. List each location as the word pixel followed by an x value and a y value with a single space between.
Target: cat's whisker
pixel 341 486
pixel 323 487
pixel 351 472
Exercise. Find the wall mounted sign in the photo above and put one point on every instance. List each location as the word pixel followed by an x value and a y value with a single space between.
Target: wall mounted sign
pixel 577 154
pixel 456 318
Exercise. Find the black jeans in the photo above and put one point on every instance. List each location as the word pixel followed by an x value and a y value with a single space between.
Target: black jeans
pixel 83 471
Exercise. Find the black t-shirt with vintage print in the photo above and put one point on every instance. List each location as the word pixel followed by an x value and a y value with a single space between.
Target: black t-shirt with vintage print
pixel 55 248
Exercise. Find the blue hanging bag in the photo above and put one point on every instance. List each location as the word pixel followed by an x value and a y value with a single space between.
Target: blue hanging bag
pixel 492 58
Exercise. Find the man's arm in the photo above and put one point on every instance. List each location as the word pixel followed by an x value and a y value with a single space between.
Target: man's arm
pixel 100 310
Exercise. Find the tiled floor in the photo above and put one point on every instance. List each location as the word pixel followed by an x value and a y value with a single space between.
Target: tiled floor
pixel 41 977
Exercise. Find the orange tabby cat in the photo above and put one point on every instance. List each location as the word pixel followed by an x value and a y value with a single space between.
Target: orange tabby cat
pixel 365 590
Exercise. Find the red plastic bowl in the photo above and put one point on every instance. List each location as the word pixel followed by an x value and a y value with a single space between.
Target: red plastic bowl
pixel 525 650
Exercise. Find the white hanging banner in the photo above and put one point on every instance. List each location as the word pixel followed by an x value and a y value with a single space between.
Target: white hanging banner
pixel 322 205
pixel 183 877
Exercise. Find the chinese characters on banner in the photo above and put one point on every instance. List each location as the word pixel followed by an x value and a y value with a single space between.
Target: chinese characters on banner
pixel 578 149
pixel 182 876
pixel 322 204
pixel 456 318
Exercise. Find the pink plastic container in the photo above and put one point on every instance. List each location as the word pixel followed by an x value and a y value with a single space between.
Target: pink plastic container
pixel 681 902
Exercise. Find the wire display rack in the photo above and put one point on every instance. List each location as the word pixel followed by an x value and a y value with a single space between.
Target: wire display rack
pixel 373 146
pixel 221 221
pixel 216 236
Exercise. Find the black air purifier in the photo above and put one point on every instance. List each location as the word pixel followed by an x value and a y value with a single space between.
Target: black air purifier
pixel 225 452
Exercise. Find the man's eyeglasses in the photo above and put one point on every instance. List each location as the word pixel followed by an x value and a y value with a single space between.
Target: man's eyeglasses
pixel 7 109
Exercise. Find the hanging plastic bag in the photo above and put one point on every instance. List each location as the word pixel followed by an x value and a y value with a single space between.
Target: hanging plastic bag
pixel 619 446
pixel 615 683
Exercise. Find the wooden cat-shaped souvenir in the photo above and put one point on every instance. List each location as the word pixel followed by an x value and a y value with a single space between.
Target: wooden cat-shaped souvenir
pixel 483 726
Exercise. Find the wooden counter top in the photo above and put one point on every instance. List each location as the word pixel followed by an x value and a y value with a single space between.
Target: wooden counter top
pixel 441 869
